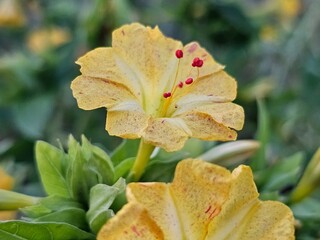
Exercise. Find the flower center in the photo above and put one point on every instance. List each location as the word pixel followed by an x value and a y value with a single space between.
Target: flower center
pixel 196 63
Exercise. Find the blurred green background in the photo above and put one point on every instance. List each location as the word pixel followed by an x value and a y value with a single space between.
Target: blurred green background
pixel 270 46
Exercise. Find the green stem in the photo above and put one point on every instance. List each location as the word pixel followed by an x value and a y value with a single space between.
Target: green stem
pixel 143 156
pixel 13 201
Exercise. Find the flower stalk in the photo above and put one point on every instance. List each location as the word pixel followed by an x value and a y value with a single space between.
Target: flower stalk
pixel 143 156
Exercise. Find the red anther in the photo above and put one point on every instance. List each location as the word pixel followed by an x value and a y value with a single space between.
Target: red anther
pixel 200 63
pixel 179 53
pixel 180 85
pixel 167 94
pixel 197 62
pixel 189 80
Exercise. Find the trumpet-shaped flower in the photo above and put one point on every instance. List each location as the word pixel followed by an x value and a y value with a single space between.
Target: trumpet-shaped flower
pixel 204 201
pixel 157 89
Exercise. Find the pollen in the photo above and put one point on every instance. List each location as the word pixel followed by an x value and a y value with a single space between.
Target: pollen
pixel 179 53
pixel 167 94
pixel 189 81
pixel 197 62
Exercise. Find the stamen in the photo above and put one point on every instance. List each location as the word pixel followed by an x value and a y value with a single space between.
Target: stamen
pixel 167 94
pixel 180 85
pixel 197 62
pixel 179 53
pixel 200 63
pixel 189 81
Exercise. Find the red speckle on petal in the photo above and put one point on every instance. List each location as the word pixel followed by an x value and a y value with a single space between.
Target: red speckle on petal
pixel 192 48
pixel 214 213
pixel 134 229
pixel 208 209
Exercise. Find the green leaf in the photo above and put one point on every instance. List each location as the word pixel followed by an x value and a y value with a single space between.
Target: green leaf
pixel 73 216
pixel 30 124
pixel 123 168
pixel 162 167
pixel 48 205
pixel 21 230
pixel 259 161
pixel 282 174
pixel 88 166
pixel 127 149
pixel 77 179
pixel 101 198
pixel 49 161
pixel 308 209
pixel 310 179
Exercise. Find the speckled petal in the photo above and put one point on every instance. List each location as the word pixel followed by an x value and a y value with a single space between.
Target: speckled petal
pixel 92 92
pixel 167 133
pixel 243 216
pixel 200 190
pixel 191 51
pixel 132 222
pixel 156 198
pixel 101 63
pixel 148 56
pixel 127 120
pixel 203 126
pixel 218 87
pixel 229 114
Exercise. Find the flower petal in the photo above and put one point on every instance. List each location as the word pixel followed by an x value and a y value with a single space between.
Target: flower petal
pixel 167 133
pixel 205 127
pixel 92 92
pixel 156 198
pixel 150 58
pixel 243 216
pixel 184 208
pixel 131 222
pixel 101 63
pixel 228 114
pixel 191 51
pixel 127 120
pixel 215 88
pixel 200 190
pixel 204 201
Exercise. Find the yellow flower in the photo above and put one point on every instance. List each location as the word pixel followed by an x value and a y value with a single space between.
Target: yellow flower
pixel 11 14
pixel 204 201
pixel 42 39
pixel 147 88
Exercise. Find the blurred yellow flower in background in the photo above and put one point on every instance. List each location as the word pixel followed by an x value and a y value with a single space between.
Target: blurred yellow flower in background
pixel 6 183
pixel 11 14
pixel 204 201
pixel 289 9
pixel 157 89
pixel 45 38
